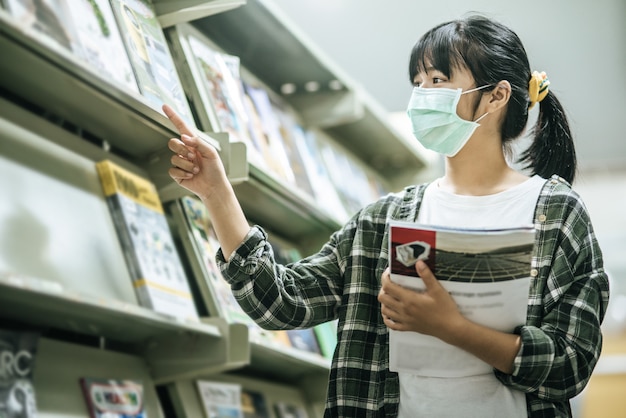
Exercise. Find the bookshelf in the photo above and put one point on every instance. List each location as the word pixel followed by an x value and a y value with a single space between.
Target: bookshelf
pixel 284 55
pixel 63 271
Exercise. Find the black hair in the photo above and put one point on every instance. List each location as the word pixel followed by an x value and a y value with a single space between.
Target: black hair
pixel 492 53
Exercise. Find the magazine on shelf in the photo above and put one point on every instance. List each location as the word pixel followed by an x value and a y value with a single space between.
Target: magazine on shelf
pixel 150 56
pixel 304 340
pixel 147 243
pixel 286 409
pixel 86 28
pixel 257 132
pixel 275 155
pixel 113 398
pixel 217 85
pixel 253 404
pixel 220 400
pixel 487 272
pixel 278 338
pixel 232 67
pixel 100 40
pixel 299 339
pixel 18 351
pixel 340 165
pixel 48 20
pixel 200 245
pixel 326 335
pixel 293 141
pixel 323 187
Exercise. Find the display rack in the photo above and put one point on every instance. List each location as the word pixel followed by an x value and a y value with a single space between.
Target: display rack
pixel 50 99
pixel 272 48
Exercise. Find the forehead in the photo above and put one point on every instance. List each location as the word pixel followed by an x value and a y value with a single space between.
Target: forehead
pixel 455 73
pixel 441 56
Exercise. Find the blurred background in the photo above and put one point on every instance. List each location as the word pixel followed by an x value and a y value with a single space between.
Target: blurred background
pixel 582 47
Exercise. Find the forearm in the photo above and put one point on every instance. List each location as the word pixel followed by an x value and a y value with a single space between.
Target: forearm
pixel 227 217
pixel 496 348
pixel 277 296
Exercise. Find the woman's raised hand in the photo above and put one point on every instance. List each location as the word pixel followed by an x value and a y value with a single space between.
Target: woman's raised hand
pixel 196 165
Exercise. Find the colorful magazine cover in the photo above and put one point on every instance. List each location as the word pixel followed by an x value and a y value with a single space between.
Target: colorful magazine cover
pixel 276 156
pixel 18 351
pixel 113 398
pixel 293 140
pixel 197 231
pixel 253 404
pixel 325 191
pixel 87 28
pixel 147 243
pixel 353 194
pixel 150 56
pixel 326 334
pixel 286 409
pixel 220 400
pixel 304 340
pixel 217 76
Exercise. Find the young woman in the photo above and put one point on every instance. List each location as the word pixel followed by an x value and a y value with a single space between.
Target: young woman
pixel 473 91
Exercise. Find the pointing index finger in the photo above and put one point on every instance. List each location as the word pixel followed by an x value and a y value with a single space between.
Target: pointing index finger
pixel 178 122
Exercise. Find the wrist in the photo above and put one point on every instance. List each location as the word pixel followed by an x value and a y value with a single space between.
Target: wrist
pixel 456 327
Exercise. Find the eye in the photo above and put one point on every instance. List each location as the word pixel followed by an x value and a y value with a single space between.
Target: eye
pixel 437 80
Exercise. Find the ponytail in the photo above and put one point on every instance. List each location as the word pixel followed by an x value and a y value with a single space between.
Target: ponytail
pixel 552 150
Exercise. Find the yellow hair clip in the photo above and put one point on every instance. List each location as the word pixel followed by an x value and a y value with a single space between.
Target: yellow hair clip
pixel 537 87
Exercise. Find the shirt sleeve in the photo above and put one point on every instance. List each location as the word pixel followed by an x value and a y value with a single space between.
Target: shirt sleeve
pixel 298 295
pixel 562 340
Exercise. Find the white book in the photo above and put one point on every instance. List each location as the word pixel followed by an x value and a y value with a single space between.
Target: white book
pixel 487 272
pixel 150 56
pixel 100 41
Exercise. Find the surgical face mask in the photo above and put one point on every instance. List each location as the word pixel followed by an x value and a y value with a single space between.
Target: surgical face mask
pixel 435 122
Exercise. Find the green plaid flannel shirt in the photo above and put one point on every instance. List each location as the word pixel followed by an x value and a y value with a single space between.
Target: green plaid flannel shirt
pixel 561 339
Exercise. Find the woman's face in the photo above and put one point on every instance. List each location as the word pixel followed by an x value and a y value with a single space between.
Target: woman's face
pixel 460 78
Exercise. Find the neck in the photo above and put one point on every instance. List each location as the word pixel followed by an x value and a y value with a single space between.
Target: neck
pixel 479 169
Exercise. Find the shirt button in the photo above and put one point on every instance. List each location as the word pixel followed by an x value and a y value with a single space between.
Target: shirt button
pixel 541 218
pixel 554 181
pixel 534 273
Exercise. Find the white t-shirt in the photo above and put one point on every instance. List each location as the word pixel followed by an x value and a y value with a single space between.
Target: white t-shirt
pixel 481 395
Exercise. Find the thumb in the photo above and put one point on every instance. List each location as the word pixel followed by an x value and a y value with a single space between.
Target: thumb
pixel 426 275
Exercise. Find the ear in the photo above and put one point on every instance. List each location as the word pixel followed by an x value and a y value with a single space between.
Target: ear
pixel 499 96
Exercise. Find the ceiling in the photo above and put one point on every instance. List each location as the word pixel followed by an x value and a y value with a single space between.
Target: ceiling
pixel 581 45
